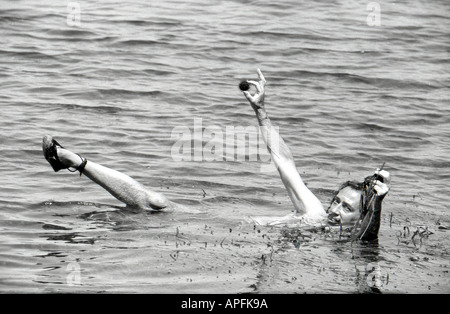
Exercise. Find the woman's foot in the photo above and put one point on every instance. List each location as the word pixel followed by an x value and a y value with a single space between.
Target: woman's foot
pixel 59 157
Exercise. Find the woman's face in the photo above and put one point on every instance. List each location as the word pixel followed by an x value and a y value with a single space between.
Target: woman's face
pixel 344 208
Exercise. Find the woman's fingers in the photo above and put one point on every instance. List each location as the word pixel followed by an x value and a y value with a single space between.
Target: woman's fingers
pixel 381 188
pixel 261 78
pixel 258 98
pixel 249 96
pixel 385 175
pixel 257 85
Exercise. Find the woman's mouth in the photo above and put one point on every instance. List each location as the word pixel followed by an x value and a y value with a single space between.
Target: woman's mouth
pixel 334 219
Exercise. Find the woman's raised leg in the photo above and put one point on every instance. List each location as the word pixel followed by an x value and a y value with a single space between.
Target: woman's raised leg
pixel 121 186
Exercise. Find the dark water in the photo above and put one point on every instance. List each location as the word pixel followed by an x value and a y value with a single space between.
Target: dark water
pixel 346 96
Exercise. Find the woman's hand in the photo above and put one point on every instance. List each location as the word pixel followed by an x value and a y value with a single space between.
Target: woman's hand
pixel 257 100
pixel 382 188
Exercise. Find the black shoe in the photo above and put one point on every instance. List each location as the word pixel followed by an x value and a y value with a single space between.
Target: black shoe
pixel 49 146
pixel 50 153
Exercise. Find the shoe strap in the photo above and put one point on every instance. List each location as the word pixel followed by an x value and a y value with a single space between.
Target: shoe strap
pixel 80 168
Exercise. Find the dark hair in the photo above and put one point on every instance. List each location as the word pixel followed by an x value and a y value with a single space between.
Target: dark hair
pixel 361 187
pixel 356 185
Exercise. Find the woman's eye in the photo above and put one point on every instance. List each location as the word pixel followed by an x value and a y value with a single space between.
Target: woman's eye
pixel 346 209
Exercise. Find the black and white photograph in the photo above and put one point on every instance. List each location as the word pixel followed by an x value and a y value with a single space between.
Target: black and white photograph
pixel 239 148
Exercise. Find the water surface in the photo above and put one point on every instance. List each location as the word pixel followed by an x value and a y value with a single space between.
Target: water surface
pixel 346 97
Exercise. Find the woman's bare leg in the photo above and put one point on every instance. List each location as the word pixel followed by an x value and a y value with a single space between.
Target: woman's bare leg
pixel 121 186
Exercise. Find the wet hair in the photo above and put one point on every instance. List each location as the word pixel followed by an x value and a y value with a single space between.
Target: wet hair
pixel 368 192
pixel 355 185
pixel 358 186
pixel 365 188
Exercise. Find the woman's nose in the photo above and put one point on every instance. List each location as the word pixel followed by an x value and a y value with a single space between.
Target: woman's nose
pixel 336 209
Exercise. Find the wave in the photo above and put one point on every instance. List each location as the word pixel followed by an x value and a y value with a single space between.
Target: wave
pixel 69 33
pixel 146 23
pixel 33 54
pixel 109 92
pixel 136 42
pixel 378 82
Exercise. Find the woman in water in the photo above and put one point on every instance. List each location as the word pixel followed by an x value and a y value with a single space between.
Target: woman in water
pixel 354 202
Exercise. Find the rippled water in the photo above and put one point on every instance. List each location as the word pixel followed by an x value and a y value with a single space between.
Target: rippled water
pixel 346 96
